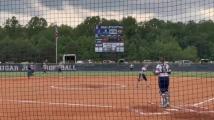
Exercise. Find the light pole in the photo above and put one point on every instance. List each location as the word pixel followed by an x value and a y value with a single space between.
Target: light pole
pixel 56 39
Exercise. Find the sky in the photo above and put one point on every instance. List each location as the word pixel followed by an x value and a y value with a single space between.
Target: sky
pixel 73 12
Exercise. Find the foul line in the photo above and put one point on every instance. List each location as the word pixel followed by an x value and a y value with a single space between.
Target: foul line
pixel 205 101
pixel 167 111
pixel 55 103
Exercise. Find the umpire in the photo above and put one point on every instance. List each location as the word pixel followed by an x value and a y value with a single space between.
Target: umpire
pixel 163 71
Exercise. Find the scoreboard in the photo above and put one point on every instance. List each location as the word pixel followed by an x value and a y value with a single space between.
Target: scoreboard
pixel 109 39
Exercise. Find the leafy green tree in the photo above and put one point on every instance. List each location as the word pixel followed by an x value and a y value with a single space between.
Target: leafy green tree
pixel 46 49
pixel 109 22
pixel 166 46
pixel 145 40
pixel 190 53
pixel 35 25
pixel 87 28
pixel 86 47
pixel 130 25
pixel 13 28
pixel 66 31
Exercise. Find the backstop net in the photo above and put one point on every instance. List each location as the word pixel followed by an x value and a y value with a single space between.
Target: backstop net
pixel 118 72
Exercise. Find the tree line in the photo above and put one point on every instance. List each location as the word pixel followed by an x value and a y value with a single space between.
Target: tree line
pixel 35 41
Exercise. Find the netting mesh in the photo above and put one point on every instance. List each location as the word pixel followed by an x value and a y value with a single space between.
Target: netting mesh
pixel 97 86
pixel 74 12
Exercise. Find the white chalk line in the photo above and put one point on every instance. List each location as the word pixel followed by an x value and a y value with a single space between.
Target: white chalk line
pixel 64 88
pixel 196 105
pixel 13 78
pixel 155 113
pixel 167 111
pixel 58 103
pixel 151 113
pixel 82 88
pixel 206 110
pixel 203 102
pixel 182 108
pixel 191 105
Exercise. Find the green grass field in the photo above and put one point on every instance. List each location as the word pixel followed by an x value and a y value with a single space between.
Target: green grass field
pixel 103 73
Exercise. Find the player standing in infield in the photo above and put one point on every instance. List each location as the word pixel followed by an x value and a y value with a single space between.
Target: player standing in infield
pixel 163 71
pixel 142 76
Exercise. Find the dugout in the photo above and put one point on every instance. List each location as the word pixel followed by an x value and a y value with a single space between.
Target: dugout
pixel 69 58
pixel 204 61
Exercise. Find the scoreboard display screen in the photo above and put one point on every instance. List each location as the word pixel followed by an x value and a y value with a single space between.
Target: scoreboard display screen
pixel 109 39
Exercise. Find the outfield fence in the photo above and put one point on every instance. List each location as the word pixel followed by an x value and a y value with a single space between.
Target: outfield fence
pixel 102 67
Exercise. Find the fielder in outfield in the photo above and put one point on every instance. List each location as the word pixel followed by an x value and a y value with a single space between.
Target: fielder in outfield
pixel 163 71
pixel 30 71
